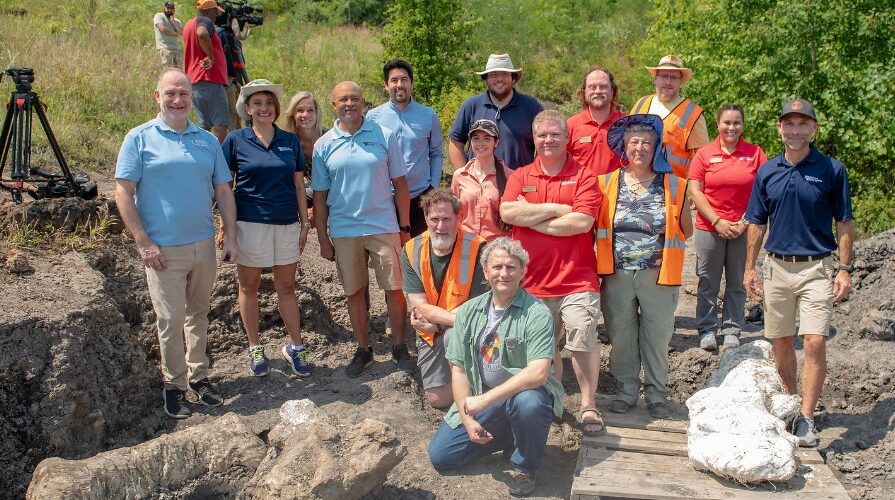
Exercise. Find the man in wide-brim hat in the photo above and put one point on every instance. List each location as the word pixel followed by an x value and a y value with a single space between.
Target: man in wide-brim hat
pixel 684 123
pixel 501 103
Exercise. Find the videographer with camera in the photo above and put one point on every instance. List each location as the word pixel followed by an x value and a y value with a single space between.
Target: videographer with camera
pixel 168 31
pixel 206 67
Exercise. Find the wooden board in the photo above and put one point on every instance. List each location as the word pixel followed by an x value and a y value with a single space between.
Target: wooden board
pixel 642 457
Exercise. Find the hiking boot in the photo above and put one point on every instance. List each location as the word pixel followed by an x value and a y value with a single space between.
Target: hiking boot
pixel 708 342
pixel 402 358
pixel 803 428
pixel 620 406
pixel 731 341
pixel 258 361
pixel 521 484
pixel 175 403
pixel 205 393
pixel 362 359
pixel 658 409
pixel 298 359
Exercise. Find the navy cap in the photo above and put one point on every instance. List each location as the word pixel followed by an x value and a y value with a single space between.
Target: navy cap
pixel 800 107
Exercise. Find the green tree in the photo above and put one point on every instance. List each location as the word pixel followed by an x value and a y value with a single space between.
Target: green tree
pixel 838 54
pixel 432 35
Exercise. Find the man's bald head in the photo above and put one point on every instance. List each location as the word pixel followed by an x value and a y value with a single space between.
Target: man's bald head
pixel 342 87
pixel 172 76
pixel 348 103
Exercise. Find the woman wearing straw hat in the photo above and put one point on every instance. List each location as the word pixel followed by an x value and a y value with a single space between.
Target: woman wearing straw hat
pixel 271 214
pixel 642 226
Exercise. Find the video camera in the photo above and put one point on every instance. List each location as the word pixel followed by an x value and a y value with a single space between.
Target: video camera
pixel 240 10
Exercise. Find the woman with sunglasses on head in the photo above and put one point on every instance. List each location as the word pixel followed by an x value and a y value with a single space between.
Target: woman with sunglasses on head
pixel 480 183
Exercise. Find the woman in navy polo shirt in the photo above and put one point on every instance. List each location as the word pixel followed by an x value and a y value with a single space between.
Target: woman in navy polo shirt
pixel 271 214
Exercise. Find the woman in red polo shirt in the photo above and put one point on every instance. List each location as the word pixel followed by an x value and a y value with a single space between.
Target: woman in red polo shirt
pixel 721 178
pixel 480 183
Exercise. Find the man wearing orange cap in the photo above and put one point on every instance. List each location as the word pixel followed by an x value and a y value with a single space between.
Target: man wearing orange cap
pixel 683 123
pixel 206 65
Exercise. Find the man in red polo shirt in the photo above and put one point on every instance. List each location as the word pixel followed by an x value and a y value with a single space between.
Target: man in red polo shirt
pixel 552 204
pixel 587 129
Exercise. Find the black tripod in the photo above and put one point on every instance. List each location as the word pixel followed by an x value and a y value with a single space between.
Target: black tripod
pixel 15 144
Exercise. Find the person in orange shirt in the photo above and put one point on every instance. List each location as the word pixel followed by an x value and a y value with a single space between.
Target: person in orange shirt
pixel 587 130
pixel 480 183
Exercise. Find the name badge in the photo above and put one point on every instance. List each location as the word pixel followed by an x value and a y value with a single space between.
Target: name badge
pixel 716 159
pixel 529 189
pixel 584 140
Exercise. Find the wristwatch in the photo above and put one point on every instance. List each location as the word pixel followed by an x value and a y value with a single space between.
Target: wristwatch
pixel 404 229
pixel 845 267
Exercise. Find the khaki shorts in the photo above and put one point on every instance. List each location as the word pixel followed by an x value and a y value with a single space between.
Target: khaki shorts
pixel 171 58
pixel 383 250
pixel 435 370
pixel 803 287
pixel 579 314
pixel 267 245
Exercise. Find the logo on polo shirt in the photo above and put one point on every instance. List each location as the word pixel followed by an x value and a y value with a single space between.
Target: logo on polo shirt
pixel 284 148
pixel 811 178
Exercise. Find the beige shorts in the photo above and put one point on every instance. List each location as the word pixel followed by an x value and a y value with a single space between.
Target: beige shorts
pixel 803 287
pixel 267 245
pixel 383 250
pixel 579 314
pixel 171 58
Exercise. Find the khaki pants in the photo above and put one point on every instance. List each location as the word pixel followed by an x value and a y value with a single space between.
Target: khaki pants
pixel 639 317
pixel 232 96
pixel 181 297
pixel 171 58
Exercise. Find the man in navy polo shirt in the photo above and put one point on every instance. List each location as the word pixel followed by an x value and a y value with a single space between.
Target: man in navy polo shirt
pixel 512 110
pixel 801 192
pixel 419 136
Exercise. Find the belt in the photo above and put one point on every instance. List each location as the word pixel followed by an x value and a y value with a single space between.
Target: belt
pixel 799 258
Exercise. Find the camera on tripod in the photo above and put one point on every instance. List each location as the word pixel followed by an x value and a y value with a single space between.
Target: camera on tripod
pixel 240 10
pixel 15 145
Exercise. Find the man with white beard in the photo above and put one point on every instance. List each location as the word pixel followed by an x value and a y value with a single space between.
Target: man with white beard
pixel 441 272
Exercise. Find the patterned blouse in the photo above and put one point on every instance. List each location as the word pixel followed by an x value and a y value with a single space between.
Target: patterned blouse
pixel 639 226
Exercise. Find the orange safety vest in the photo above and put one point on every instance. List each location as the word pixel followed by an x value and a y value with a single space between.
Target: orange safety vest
pixel 677 127
pixel 672 267
pixel 457 279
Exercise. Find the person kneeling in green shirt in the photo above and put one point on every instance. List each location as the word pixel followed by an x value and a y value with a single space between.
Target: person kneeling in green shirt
pixel 500 355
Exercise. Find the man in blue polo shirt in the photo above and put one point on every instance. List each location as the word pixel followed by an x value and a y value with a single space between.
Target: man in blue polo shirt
pixel 512 110
pixel 355 167
pixel 801 192
pixel 419 135
pixel 168 174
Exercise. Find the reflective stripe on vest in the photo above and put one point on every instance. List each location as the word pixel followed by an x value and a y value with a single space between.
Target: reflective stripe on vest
pixel 672 266
pixel 677 125
pixel 457 282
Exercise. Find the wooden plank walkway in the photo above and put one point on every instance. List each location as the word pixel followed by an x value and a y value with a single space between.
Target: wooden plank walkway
pixel 639 457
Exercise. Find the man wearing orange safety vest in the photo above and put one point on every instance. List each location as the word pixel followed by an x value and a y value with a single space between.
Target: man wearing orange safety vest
pixel 682 119
pixel 441 272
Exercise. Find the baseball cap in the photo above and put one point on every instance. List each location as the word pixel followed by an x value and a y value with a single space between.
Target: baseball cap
pixel 169 4
pixel 799 106
pixel 486 126
pixel 208 4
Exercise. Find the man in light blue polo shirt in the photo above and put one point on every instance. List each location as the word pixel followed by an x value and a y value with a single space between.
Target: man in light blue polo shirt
pixel 355 166
pixel 419 136
pixel 169 172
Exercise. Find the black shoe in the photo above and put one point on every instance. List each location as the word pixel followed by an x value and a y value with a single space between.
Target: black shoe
pixel 175 403
pixel 657 409
pixel 205 393
pixel 402 358
pixel 362 359
pixel 620 406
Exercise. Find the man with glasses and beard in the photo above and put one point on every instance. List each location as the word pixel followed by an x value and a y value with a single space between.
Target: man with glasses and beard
pixel 512 110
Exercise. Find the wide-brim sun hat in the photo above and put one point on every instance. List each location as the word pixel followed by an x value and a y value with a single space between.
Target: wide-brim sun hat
pixel 615 138
pixel 674 63
pixel 499 62
pixel 253 87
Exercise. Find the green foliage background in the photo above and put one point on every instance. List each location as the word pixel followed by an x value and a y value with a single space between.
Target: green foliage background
pixel 96 65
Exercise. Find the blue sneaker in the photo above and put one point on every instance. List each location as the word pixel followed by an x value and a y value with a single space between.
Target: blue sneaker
pixel 258 361
pixel 298 359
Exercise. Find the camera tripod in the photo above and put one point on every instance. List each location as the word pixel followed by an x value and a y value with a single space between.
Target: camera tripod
pixel 15 144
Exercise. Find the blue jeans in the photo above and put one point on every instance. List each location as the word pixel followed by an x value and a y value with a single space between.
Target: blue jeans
pixel 521 423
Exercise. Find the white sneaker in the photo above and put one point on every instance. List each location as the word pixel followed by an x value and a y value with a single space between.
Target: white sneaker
pixel 731 341
pixel 708 342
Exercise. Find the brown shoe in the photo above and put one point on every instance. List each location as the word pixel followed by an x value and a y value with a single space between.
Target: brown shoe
pixel 521 484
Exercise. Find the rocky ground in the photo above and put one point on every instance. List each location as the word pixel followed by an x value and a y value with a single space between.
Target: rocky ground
pixel 79 369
